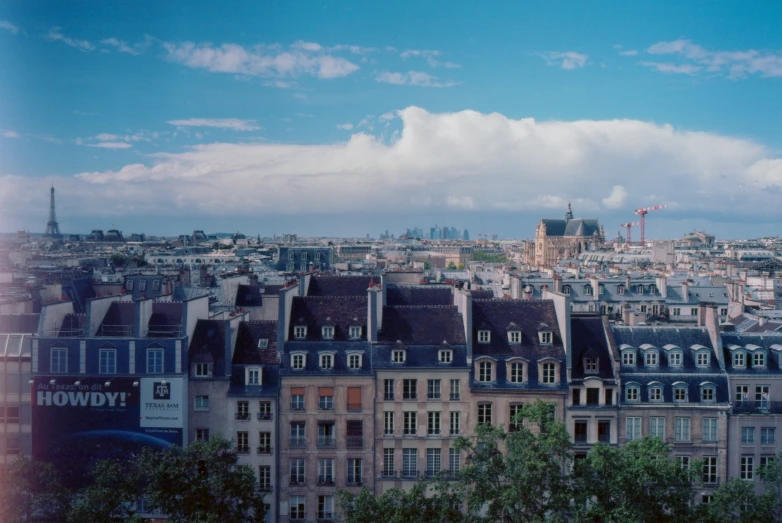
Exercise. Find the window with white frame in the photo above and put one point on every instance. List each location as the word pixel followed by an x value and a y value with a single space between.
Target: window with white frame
pixel 484 371
pixel 202 435
pixel 388 423
pixel 639 289
pixel 680 393
pixel 545 337
pixel 693 311
pixel 655 393
pixel 681 428
pixel 709 469
pixel 675 359
pixel 59 360
pixel 676 311
pixel 253 376
pixel 588 290
pixel 620 289
pixel 409 423
pixel 514 337
pixel 684 462
pixel 516 372
pixel 354 361
pixel 633 426
pixel 767 435
pixel 650 358
pixel 455 423
pixel 327 361
pixel 409 462
pixel 657 427
pixel 455 390
pixel 354 471
pixel 632 393
pixel 747 435
pixel 263 343
pixel 297 503
pixel 201 370
pixel 739 359
pixel 108 361
pixel 759 359
pixel 549 373
pixel 590 365
pixel 299 332
pixel 484 336
pixel 445 356
pixel 327 333
pixel 398 356
pixel 708 393
pixel 297 361
pixel 454 461
pixel 484 414
pixel 432 462
pixel 201 402
pixel 566 290
pixel 702 359
pixel 154 361
pixel 709 429
pixel 747 469
pixel 628 357
pixel 355 333
pixel 388 462
pixel 409 389
pixel 433 423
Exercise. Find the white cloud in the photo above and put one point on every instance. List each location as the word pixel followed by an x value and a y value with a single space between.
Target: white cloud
pixel 6 133
pixel 733 64
pixel 417 78
pixel 303 58
pixel 616 199
pixel 109 145
pixel 54 35
pixel 8 26
pixel 385 117
pixel 221 123
pixel 430 55
pixel 566 60
pixel 123 47
pixel 438 161
pixel 668 67
pixel 629 52
pixel 345 126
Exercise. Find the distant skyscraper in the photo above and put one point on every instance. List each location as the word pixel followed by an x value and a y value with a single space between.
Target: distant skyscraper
pixel 466 236
pixel 52 227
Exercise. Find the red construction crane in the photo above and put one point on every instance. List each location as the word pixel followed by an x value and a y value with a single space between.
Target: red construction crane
pixel 642 213
pixel 629 226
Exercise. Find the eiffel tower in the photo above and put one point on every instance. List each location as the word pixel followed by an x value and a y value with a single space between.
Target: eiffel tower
pixel 52 228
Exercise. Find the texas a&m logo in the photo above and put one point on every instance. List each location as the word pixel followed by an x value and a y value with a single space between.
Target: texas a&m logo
pixel 161 391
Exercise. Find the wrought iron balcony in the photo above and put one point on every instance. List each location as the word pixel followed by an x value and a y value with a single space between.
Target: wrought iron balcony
pixel 262 449
pixel 264 416
pixel 298 442
pixel 242 450
pixel 326 441
pixel 326 480
pixel 242 416
pixel 757 407
pixel 355 442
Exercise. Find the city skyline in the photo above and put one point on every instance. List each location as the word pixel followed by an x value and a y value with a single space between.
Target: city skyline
pixel 347 119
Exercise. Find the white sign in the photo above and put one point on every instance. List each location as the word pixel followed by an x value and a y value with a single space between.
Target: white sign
pixel 162 403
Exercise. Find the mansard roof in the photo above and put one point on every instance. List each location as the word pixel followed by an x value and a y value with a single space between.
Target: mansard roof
pixel 751 342
pixel 209 339
pixel 339 312
pixel 422 325
pixel 340 351
pixel 496 315
pixel 166 320
pixel 270 382
pixel 667 382
pixel 655 337
pixel 338 285
pixel 588 340
pixel 574 227
pixel 419 356
pixel 419 295
pixel 249 296
pixel 246 350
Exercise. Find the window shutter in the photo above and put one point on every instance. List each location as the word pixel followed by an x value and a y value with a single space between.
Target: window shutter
pixel 326 391
pixel 354 398
pixel 297 391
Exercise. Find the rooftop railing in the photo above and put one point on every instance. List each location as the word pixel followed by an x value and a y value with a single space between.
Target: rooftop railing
pixel 757 407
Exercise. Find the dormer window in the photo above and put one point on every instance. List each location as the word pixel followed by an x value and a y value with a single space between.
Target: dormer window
pixel 702 359
pixel 484 336
pixel 655 393
pixel 739 359
pixel 327 332
pixel 355 333
pixel 590 365
pixel 545 337
pixel 680 393
pixel 398 356
pixel 485 371
pixel 548 372
pixel 327 361
pixel 202 370
pixel 514 337
pixel 516 372
pixel 650 359
pixel 263 343
pixel 252 376
pixel 297 361
pixel 566 290
pixel 675 359
pixel 601 289
pixel 652 289
pixel 354 361
pixel 445 356
pixel 632 393
pixel 620 289
pixel 628 357
pixel 299 332
pixel 639 289
pixel 587 290
pixel 708 393
pixel 759 359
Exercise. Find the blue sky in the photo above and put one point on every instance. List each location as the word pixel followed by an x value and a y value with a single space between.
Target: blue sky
pixel 352 117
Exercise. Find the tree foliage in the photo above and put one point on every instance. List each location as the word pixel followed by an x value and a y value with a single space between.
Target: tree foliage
pixel 32 492
pixel 435 502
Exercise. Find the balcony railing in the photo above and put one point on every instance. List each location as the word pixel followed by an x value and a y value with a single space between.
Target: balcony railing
pixel 354 482
pixel 264 450
pixel 297 482
pixel 242 416
pixel 326 441
pixel 580 438
pixel 298 442
pixel 326 480
pixel 266 488
pixel 242 450
pixel 389 473
pixel 355 442
pixel 757 407
pixel 604 438
pixel 264 416
pixel 455 397
pixel 409 473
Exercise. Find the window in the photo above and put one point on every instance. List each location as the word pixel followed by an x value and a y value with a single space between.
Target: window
pixel 681 429
pixel 263 343
pixel 513 424
pixel 747 435
pixel 680 393
pixel 398 356
pixel 516 372
pixel 765 461
pixel 576 397
pixel 409 462
pixel 628 357
pixel 327 333
pixel 454 461
pixel 445 356
pixel 265 478
pixel 202 435
pixel 747 470
pixel 760 392
pixel 620 289
pixel 297 473
pixel 639 289
pixel 12 446
pixel 408 427
pixel 388 390
pixel 299 332
pixel 155 285
pixel 710 469
pixel 742 392
pixel 693 312
pixel 326 398
pixel 243 410
pixel 59 360
pixel 484 414
pixel 355 333
pixel 650 359
pixel 202 370
pixel 326 361
pixel 709 429
pixel 455 390
pixel 767 435
pixel 129 285
pixel 590 365
pixel 432 462
pixel 297 398
pixel 409 389
pixel 202 403
pixel 588 290
pixel 657 427
pixel 604 431
pixel 702 359
pixel 643 308
pixel 759 359
pixel 676 311
pixel 433 389
pixel 242 442
pixel 632 393
pixel 433 425
pixel 707 394
pixel 549 373
pixel 455 423
pixel 609 396
pixel 684 462
pixel 354 398
pixel 388 462
pixel 633 428
pixel 154 361
pixel 264 410
pixel 326 434
pixel 514 337
pixel 580 432
pixel 326 471
pixel 739 359
pixel 484 371
pixel 354 361
pixel 484 336
pixel 253 376
pixel 354 471
pixel 675 359
pixel 593 396
pixel 388 423
pixel 264 442
pixel 723 311
pixel 545 337
pixel 655 394
pixel 297 361
pixel 142 285
pixel 108 361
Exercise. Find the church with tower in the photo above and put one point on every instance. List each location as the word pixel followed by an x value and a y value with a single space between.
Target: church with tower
pixel 557 239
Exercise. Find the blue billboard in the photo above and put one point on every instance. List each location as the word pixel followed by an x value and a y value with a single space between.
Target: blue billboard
pixel 76 421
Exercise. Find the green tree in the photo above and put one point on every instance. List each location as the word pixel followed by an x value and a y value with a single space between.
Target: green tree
pixel 427 265
pixel 640 481
pixel 32 491
pixel 451 266
pixel 518 476
pixel 736 501
pixel 425 502
pixel 112 495
pixel 118 259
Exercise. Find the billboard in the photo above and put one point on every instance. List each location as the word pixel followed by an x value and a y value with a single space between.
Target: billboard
pixel 77 420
